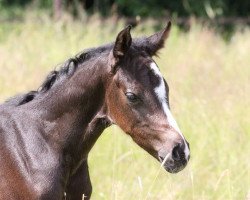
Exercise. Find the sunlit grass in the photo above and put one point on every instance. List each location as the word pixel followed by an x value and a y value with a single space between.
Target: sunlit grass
pixel 209 96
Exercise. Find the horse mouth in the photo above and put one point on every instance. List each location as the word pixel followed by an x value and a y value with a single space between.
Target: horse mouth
pixel 174 170
pixel 172 166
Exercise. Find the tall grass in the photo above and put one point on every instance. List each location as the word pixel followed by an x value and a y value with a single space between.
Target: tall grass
pixel 209 96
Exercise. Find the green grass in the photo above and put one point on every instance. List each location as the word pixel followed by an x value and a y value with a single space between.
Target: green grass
pixel 209 96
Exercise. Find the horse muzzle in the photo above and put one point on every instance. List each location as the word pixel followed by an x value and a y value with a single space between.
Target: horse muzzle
pixel 176 160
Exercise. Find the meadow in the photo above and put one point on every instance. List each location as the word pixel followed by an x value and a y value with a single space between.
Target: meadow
pixel 209 80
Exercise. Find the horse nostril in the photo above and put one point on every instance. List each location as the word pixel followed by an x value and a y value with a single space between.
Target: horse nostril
pixel 178 153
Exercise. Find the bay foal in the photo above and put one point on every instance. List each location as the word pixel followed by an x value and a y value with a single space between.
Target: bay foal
pixel 46 135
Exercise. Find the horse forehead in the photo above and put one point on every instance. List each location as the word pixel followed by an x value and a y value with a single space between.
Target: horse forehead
pixel 160 89
pixel 156 70
pixel 144 72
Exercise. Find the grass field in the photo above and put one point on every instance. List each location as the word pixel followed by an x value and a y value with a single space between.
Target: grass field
pixel 209 83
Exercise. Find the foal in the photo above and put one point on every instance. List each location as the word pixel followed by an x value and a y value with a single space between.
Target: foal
pixel 47 134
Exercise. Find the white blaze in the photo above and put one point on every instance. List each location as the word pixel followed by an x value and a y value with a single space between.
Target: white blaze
pixel 160 91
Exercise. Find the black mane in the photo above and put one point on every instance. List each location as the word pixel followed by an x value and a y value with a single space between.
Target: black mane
pixel 66 70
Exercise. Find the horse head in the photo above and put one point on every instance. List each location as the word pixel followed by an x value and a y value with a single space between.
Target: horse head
pixel 137 99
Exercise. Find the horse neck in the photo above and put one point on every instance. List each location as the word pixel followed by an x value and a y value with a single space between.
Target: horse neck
pixel 76 109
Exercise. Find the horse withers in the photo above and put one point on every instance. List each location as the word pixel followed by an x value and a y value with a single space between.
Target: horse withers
pixel 46 135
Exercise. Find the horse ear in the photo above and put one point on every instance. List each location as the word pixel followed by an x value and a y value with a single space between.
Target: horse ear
pixel 121 46
pixel 155 42
pixel 122 43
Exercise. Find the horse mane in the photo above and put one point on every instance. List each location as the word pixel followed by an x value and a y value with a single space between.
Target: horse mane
pixel 20 99
pixel 65 70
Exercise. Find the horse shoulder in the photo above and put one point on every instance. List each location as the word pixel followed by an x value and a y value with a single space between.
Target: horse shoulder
pixel 24 150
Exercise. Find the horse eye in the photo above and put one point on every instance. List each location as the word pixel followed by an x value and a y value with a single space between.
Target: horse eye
pixel 131 97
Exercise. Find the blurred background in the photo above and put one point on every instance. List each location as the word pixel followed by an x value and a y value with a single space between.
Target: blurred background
pixel 206 63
